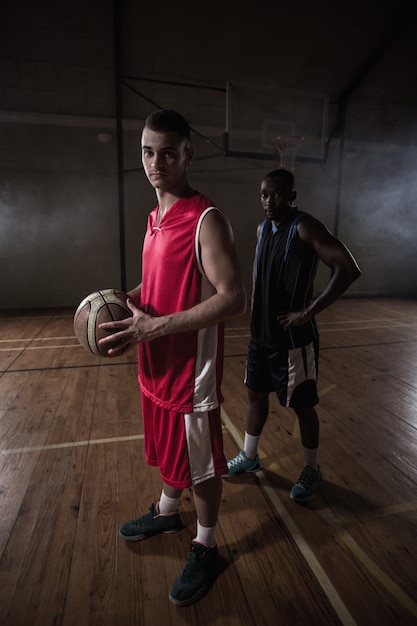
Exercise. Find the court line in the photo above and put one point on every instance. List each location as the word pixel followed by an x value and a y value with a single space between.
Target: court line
pixel 38 339
pixel 24 348
pixel 115 362
pixel 71 345
pixel 323 327
pixel 388 583
pixel 359 345
pixel 324 581
pixel 383 511
pixel 394 320
pixel 391 586
pixel 68 444
pixel 370 327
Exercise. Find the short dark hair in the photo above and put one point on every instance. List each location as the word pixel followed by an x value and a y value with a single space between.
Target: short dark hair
pixel 281 173
pixel 165 121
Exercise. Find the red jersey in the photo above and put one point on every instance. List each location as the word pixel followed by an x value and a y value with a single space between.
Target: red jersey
pixel 181 372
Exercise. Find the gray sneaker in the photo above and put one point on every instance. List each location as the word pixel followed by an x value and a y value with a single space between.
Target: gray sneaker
pixel 151 524
pixel 241 464
pixel 305 488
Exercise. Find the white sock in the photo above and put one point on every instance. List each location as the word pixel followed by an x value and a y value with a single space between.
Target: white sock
pixel 168 505
pixel 205 535
pixel 310 457
pixel 251 446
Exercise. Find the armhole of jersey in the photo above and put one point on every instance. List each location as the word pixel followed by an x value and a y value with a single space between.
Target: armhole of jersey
pixel 197 237
pixel 261 231
pixel 258 242
pixel 292 233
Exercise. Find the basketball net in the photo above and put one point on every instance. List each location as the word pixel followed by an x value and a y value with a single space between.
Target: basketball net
pixel 288 147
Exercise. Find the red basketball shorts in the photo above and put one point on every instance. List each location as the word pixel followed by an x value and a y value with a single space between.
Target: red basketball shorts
pixel 187 448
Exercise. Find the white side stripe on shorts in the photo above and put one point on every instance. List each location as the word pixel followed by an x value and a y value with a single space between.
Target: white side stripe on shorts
pixel 197 429
pixel 301 367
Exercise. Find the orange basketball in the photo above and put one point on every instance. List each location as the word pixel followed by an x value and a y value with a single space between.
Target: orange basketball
pixel 108 305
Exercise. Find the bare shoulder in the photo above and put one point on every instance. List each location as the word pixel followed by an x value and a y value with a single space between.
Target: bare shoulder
pixel 215 226
pixel 309 228
pixel 333 252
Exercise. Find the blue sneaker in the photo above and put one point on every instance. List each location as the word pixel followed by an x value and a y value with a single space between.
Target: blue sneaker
pixel 197 577
pixel 305 488
pixel 241 464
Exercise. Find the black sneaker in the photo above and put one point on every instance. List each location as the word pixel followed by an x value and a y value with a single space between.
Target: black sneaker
pixel 197 577
pixel 150 524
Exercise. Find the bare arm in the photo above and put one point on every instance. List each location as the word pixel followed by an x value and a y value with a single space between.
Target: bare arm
pixel 221 267
pixel 333 253
pixel 134 294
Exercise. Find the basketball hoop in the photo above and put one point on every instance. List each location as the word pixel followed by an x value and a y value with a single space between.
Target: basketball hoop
pixel 288 147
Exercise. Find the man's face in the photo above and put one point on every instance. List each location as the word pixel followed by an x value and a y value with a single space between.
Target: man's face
pixel 276 197
pixel 165 158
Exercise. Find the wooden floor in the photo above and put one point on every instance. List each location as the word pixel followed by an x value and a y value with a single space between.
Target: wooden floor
pixel 72 471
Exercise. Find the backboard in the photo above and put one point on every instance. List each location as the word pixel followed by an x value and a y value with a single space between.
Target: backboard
pixel 256 115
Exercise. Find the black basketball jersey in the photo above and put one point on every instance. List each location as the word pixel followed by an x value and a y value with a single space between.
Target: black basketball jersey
pixel 283 283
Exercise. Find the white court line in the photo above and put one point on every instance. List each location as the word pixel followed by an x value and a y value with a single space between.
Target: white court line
pixel 24 348
pixel 38 339
pixel 372 326
pixel 236 328
pixel 69 444
pixel 301 543
pixel 391 586
pixel 349 326
pixel 324 581
pixel 315 566
pixel 401 320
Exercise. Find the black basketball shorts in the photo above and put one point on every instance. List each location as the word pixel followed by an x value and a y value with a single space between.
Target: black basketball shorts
pixel 291 374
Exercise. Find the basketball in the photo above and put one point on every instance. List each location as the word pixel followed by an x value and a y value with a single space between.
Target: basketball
pixel 108 305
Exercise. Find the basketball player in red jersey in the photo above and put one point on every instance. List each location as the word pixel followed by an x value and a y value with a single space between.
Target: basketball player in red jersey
pixel 191 283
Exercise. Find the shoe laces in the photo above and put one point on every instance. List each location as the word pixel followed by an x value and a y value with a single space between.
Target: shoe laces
pixel 306 476
pixel 146 520
pixel 192 564
pixel 238 460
